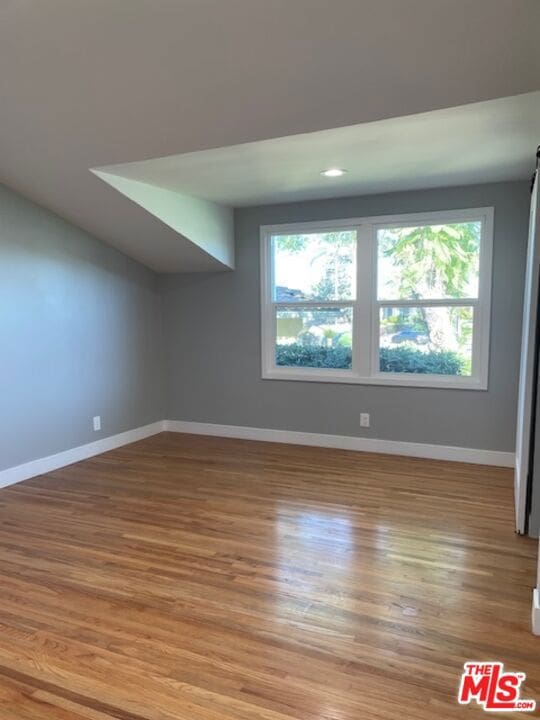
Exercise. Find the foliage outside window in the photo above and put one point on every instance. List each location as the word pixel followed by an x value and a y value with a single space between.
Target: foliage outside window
pixel 385 300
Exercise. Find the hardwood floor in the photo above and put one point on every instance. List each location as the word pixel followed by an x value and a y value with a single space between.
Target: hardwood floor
pixel 196 578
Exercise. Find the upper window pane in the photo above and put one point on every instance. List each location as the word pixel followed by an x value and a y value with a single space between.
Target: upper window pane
pixel 428 261
pixel 314 266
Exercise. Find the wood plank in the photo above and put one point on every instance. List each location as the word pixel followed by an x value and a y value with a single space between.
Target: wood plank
pixel 185 577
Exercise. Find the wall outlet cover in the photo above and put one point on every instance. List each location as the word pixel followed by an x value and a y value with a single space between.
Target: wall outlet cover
pixel 364 419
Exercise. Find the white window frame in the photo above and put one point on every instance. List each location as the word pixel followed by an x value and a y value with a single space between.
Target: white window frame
pixel 366 307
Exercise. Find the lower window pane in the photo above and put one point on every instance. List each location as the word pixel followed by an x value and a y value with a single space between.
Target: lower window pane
pixel 314 337
pixel 431 340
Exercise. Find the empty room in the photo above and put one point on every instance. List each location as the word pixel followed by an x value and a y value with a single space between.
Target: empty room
pixel 269 359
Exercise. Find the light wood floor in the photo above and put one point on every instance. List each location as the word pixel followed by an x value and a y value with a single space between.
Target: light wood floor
pixel 212 579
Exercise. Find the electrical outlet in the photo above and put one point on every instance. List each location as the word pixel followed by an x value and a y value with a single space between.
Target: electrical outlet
pixel 364 419
pixel 97 423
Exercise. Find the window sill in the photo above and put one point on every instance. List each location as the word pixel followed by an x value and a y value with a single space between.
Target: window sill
pixel 449 382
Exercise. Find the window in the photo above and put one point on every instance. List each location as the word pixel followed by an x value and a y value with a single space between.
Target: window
pixel 391 301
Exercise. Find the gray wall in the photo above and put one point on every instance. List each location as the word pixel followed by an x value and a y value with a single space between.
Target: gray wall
pixel 212 338
pixel 80 334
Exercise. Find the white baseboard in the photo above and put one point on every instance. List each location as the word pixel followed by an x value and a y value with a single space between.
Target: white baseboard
pixel 31 469
pixel 536 612
pixel 344 442
pixel 53 462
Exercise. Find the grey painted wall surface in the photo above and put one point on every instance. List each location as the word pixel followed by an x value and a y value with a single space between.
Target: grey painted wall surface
pixel 212 338
pixel 80 334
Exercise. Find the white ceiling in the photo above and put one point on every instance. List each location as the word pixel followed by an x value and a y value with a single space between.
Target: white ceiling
pixel 90 84
pixel 481 142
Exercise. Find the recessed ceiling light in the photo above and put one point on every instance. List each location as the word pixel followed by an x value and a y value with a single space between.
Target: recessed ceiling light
pixel 333 172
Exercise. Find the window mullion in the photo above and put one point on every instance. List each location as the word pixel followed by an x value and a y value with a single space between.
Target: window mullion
pixel 307 304
pixel 434 302
pixel 363 306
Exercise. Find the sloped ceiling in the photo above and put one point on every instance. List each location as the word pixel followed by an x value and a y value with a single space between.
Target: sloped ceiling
pixel 89 85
